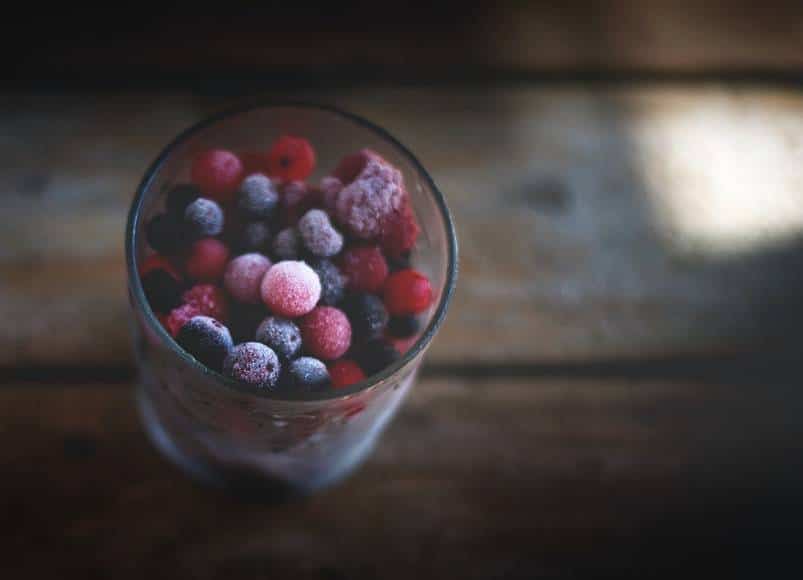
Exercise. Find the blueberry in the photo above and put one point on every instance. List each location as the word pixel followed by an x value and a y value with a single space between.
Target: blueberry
pixel 255 237
pixel 375 355
pixel 403 326
pixel 333 283
pixel 162 290
pixel 207 340
pixel 309 374
pixel 367 315
pixel 203 218
pixel 253 363
pixel 257 198
pixel 165 233
pixel 180 196
pixel 282 335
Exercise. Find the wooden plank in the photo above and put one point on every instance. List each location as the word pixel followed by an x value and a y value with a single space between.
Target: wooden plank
pixel 473 480
pixel 593 222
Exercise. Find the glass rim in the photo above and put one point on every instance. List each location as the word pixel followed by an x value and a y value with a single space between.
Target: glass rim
pixel 141 302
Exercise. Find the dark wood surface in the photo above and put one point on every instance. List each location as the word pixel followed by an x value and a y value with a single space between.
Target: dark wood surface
pixel 616 390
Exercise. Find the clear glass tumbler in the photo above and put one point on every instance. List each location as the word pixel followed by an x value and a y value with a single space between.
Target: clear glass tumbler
pixel 275 443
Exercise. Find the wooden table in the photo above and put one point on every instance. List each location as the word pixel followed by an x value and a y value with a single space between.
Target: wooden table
pixel 616 389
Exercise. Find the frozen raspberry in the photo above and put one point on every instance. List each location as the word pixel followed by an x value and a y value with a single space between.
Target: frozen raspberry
pixel 244 275
pixel 291 158
pixel 403 326
pixel 179 316
pixel 365 204
pixel 326 332
pixel 291 289
pixel 297 199
pixel 209 300
pixel 257 198
pixel 253 162
pixel 207 260
pixel 165 233
pixel 333 283
pixel 407 292
pixel 345 372
pixel 255 237
pixel 318 234
pixel 218 173
pixel 281 335
pixel 206 339
pixel 162 289
pixel 287 245
pixel 376 355
pixel 308 374
pixel 180 196
pixel 330 188
pixel 367 315
pixel 254 364
pixel 400 231
pixel 203 218
pixel 365 268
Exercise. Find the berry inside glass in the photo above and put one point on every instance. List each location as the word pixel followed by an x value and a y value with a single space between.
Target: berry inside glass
pixel 288 267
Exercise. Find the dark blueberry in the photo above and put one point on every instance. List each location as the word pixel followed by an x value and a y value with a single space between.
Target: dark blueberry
pixel 165 233
pixel 207 340
pixel 282 335
pixel 375 355
pixel 244 320
pixel 333 283
pixel 180 196
pixel 257 198
pixel 162 290
pixel 255 237
pixel 397 263
pixel 253 363
pixel 403 326
pixel 367 315
pixel 203 218
pixel 309 374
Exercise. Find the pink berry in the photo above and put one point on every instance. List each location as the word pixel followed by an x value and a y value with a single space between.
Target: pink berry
pixel 207 260
pixel 326 333
pixel 345 372
pixel 244 275
pixel 209 300
pixel 365 268
pixel 218 173
pixel 318 234
pixel 407 292
pixel 291 289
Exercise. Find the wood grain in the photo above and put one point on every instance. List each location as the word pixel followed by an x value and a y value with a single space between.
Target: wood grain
pixel 594 223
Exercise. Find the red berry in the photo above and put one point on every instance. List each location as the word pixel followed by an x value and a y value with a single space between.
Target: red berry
pixel 325 332
pixel 207 260
pixel 218 173
pixel 407 292
pixel 209 300
pixel 254 162
pixel 291 158
pixel 365 268
pixel 352 165
pixel 400 231
pixel 179 317
pixel 290 288
pixel 345 372
pixel 157 262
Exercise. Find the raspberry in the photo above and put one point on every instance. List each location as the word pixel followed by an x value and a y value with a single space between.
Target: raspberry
pixel 367 315
pixel 332 281
pixel 407 292
pixel 318 234
pixel 203 218
pixel 255 237
pixel 281 335
pixel 365 268
pixel 400 231
pixel 206 339
pixel 308 373
pixel 180 196
pixel 165 233
pixel 218 173
pixel 375 355
pixel 157 262
pixel 403 326
pixel 257 198
pixel 291 158
pixel 209 300
pixel 326 332
pixel 365 204
pixel 254 364
pixel 291 289
pixel 179 316
pixel 244 275
pixel 297 199
pixel 207 260
pixel 162 290
pixel 345 372
pixel 287 245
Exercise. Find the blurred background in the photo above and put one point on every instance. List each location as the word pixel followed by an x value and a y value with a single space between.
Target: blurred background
pixel 616 389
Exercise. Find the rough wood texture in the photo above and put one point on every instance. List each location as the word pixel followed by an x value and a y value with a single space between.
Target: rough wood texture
pixel 484 479
pixel 593 222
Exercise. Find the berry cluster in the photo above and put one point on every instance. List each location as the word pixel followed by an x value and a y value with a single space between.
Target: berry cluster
pixel 279 283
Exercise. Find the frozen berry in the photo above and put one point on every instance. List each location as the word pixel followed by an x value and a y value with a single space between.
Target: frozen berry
pixel 257 198
pixel 281 335
pixel 291 289
pixel 207 260
pixel 365 268
pixel 203 218
pixel 287 245
pixel 367 315
pixel 407 292
pixel 162 289
pixel 206 339
pixel 244 319
pixel 255 237
pixel 309 374
pixel 254 364
pixel 209 300
pixel 318 234
pixel 345 372
pixel 351 165
pixel 218 173
pixel 330 188
pixel 326 332
pixel 165 233
pixel 400 231
pixel 291 158
pixel 365 204
pixel 244 275
pixel 375 355
pixel 297 199
pixel 179 316
pixel 180 196
pixel 403 326
pixel 332 281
